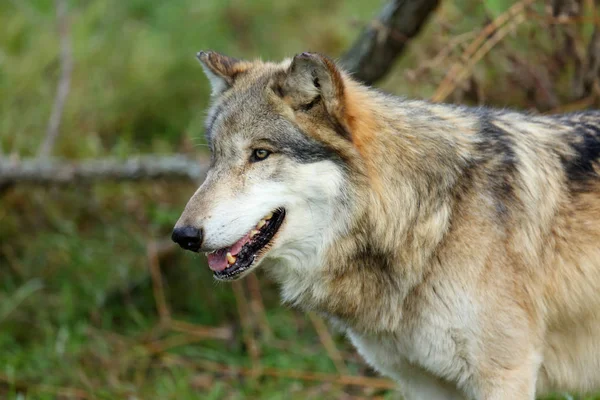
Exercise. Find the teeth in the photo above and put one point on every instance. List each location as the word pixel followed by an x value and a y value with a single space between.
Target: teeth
pixel 268 217
pixel 253 233
pixel 230 259
pixel 261 223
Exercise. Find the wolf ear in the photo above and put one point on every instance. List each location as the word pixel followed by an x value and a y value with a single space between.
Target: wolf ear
pixel 312 77
pixel 221 70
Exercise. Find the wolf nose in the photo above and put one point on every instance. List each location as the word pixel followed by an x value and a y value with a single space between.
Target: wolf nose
pixel 188 237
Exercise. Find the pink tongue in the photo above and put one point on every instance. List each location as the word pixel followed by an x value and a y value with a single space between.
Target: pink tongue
pixel 217 261
pixel 237 246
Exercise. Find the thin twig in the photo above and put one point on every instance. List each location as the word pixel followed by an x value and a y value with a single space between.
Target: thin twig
pixel 258 307
pixel 563 20
pixel 578 105
pixel 587 71
pixel 64 83
pixel 249 339
pixel 328 343
pixel 498 29
pixel 157 284
pixel 442 55
pixel 353 380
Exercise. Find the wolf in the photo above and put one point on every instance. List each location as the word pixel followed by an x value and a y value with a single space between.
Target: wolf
pixel 457 247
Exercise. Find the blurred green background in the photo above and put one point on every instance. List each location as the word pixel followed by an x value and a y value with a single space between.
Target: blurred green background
pixel 78 306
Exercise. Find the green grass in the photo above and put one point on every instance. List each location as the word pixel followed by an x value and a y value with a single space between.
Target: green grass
pixel 76 305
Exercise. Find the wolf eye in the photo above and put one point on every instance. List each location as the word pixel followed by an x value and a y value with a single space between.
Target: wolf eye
pixel 259 155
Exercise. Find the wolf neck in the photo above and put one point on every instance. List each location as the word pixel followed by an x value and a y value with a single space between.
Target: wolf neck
pixel 404 202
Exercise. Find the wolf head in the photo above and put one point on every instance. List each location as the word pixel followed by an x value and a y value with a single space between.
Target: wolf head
pixel 280 142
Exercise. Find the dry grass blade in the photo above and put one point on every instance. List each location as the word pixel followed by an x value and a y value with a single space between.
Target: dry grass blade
pixel 328 343
pixel 64 83
pixel 205 332
pixel 481 45
pixel 26 290
pixel 162 345
pixel 249 339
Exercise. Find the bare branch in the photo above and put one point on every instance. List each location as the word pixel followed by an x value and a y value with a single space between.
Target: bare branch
pixel 376 49
pixel 489 36
pixel 328 343
pixel 64 84
pixel 55 172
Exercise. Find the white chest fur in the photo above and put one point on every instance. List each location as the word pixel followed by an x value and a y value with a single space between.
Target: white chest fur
pixel 416 369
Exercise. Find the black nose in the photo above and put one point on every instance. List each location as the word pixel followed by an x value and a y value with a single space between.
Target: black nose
pixel 188 237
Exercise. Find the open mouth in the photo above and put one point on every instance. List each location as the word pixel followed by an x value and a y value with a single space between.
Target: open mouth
pixel 229 262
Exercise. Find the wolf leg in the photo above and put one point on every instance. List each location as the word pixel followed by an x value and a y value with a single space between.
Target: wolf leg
pixel 417 384
pixel 513 391
pixel 517 384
